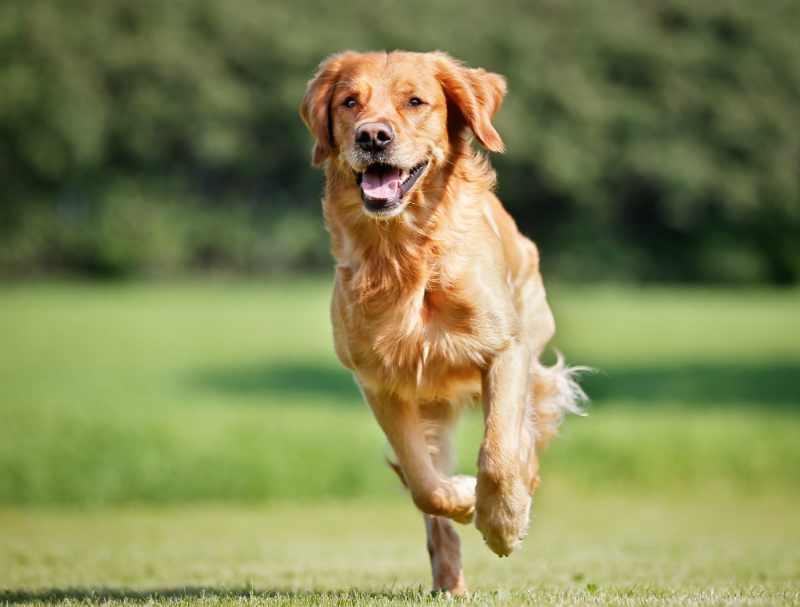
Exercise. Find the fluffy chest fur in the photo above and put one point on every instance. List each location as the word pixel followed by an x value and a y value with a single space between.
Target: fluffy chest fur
pixel 416 310
pixel 429 342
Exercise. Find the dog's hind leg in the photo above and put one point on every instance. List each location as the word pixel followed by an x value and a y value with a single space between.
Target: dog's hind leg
pixel 438 420
pixel 444 548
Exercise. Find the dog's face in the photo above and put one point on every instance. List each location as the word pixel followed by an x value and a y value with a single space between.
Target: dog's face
pixel 391 121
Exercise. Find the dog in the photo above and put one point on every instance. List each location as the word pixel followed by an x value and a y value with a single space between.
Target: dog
pixel 438 300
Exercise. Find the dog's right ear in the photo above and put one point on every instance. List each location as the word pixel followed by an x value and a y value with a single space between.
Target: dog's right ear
pixel 316 110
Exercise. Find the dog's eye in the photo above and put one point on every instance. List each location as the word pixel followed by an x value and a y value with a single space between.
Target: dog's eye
pixel 415 102
pixel 350 102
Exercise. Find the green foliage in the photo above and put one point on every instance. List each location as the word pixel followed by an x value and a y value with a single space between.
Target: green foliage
pixel 163 393
pixel 645 140
pixel 138 230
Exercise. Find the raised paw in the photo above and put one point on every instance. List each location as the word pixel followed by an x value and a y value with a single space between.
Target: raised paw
pixel 465 485
pixel 502 511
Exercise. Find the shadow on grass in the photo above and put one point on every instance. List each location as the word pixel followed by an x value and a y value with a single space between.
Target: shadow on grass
pixel 708 384
pixel 102 595
pixel 718 384
pixel 296 380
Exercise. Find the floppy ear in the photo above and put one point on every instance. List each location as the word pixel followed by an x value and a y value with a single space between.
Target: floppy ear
pixel 477 94
pixel 315 110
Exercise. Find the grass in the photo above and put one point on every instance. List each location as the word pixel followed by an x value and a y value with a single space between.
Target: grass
pixel 610 549
pixel 159 393
pixel 200 441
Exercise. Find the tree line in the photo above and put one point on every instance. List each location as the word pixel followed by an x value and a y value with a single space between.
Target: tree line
pixel 645 140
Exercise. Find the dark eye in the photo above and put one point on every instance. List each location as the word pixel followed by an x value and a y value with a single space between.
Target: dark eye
pixel 350 102
pixel 415 102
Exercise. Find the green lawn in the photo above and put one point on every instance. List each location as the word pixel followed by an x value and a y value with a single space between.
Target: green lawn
pixel 603 549
pixel 201 437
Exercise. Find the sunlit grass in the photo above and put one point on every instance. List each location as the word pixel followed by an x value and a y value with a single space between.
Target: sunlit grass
pixel 199 443
pixel 606 549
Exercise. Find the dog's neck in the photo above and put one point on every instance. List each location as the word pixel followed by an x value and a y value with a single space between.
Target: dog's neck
pixel 385 258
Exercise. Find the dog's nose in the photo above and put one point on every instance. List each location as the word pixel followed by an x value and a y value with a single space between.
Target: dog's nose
pixel 374 136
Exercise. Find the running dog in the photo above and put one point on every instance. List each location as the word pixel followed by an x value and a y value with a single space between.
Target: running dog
pixel 438 300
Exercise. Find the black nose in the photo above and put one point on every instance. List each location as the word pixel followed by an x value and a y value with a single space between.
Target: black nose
pixel 374 136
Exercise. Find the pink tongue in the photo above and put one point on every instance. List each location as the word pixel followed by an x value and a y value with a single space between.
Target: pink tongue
pixel 381 182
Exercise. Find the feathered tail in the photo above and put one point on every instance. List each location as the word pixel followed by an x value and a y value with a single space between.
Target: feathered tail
pixel 555 393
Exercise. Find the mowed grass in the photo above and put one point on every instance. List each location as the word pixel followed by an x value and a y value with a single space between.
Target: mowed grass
pixel 607 549
pixel 199 441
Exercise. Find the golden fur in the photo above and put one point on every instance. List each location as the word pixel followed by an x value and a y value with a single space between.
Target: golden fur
pixel 438 300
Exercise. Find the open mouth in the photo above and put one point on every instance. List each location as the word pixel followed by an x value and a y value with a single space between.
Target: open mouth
pixel 383 186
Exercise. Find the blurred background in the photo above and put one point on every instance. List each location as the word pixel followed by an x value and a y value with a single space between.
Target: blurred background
pixel 647 141
pixel 165 274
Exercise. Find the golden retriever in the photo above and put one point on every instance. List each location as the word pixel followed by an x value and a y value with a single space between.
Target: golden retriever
pixel 438 300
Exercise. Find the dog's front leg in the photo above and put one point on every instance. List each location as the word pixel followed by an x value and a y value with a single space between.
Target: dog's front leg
pixel 451 497
pixel 503 502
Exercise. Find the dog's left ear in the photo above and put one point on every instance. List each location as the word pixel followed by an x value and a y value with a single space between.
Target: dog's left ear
pixel 477 94
pixel 315 110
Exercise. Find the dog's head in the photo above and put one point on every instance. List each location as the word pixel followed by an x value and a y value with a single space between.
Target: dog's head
pixel 394 120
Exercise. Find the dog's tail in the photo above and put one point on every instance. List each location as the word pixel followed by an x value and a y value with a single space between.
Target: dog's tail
pixel 555 393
